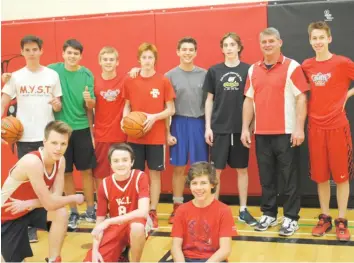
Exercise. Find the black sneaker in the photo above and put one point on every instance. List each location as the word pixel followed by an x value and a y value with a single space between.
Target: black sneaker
pixel 32 235
pixel 73 221
pixel 288 227
pixel 265 222
pixel 247 218
pixel 89 217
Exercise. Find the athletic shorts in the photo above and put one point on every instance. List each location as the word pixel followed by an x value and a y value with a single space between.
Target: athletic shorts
pixel 191 144
pixel 80 151
pixel 26 147
pixel 103 168
pixel 330 152
pixel 15 245
pixel 114 241
pixel 154 155
pixel 228 149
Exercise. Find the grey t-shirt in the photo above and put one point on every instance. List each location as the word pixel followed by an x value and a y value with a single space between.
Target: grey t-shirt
pixel 188 86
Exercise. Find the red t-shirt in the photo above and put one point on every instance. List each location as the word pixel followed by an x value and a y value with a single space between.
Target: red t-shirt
pixel 329 82
pixel 149 95
pixel 202 228
pixel 109 110
pixel 25 190
pixel 274 94
pixel 121 197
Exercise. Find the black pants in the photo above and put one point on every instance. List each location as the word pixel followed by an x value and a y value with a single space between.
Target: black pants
pixel 275 156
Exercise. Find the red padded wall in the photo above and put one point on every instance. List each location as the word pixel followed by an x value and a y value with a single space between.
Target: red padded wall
pixel 127 31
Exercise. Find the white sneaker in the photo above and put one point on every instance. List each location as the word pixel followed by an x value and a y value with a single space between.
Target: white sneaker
pixel 288 227
pixel 265 222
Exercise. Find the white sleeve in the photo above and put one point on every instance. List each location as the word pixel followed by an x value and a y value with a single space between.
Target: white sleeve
pixel 10 87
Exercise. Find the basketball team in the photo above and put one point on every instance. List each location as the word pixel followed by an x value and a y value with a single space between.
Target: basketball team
pixel 190 109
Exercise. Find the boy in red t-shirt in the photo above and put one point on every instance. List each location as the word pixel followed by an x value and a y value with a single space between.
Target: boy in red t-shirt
pixel 125 195
pixel 153 94
pixel 202 228
pixel 108 90
pixel 330 142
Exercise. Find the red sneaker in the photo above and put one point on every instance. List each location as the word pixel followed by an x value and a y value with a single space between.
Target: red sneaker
pixel 172 216
pixel 342 230
pixel 323 226
pixel 155 221
pixel 57 259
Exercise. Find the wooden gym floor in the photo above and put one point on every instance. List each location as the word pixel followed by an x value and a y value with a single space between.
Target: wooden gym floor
pixel 249 246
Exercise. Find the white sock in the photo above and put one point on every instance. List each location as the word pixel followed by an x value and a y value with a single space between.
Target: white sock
pixel 177 200
pixel 242 208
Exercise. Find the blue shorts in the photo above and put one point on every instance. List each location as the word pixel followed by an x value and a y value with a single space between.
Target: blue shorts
pixel 191 144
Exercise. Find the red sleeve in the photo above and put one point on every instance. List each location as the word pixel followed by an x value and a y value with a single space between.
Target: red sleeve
pixel 125 93
pixel 350 69
pixel 169 91
pixel 227 225
pixel 102 204
pixel 144 186
pixel 177 227
pixel 299 81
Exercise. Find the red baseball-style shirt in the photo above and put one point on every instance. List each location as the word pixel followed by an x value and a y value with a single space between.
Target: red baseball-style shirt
pixel 109 110
pixel 202 228
pixel 149 95
pixel 329 82
pixel 24 191
pixel 121 197
pixel 274 94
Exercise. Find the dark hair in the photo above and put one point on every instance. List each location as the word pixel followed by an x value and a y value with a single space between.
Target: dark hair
pixel 75 44
pixel 235 37
pixel 122 147
pixel 200 169
pixel 59 127
pixel 31 39
pixel 187 40
pixel 322 25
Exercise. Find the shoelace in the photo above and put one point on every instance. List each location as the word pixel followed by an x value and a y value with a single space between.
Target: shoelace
pixel 287 222
pixel 320 223
pixel 263 219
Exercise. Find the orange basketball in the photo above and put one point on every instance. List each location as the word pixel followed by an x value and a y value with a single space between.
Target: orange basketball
pixel 133 124
pixel 13 129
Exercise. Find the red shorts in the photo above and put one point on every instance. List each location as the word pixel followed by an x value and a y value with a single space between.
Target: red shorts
pixel 115 239
pixel 330 152
pixel 103 168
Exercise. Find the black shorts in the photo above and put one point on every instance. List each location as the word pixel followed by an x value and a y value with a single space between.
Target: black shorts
pixel 26 147
pixel 15 245
pixel 80 151
pixel 153 154
pixel 228 149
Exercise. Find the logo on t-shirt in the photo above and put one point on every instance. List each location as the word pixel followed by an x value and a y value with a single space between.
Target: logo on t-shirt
pixel 231 81
pixel 155 93
pixel 320 79
pixel 110 95
pixel 35 90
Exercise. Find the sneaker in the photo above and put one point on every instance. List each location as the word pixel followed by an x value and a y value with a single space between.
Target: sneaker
pixel 172 216
pixel 32 235
pixel 247 218
pixel 124 257
pixel 342 230
pixel 89 217
pixel 323 226
pixel 265 222
pixel 73 221
pixel 288 227
pixel 57 259
pixel 155 221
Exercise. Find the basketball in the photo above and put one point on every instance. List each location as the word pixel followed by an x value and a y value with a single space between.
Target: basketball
pixel 133 124
pixel 13 129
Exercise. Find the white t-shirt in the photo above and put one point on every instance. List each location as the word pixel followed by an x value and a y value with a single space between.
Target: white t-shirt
pixel 33 91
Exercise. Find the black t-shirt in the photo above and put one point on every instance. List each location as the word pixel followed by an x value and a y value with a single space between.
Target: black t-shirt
pixel 227 85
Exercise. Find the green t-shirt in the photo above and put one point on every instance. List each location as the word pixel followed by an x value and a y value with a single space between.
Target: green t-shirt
pixel 73 84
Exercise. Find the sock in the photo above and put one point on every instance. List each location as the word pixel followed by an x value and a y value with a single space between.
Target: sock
pixel 177 200
pixel 74 210
pixel 242 208
pixel 90 209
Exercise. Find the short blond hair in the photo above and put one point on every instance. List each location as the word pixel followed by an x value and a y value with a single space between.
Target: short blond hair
pixel 108 50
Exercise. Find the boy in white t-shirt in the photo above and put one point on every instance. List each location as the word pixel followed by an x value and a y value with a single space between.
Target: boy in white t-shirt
pixel 38 91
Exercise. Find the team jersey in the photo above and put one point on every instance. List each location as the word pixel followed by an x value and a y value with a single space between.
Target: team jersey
pixel 202 228
pixel 121 197
pixel 329 82
pixel 109 110
pixel 24 190
pixel 149 95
